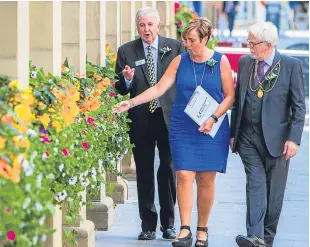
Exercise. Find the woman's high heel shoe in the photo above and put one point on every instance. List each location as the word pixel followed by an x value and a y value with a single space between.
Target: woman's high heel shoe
pixel 184 242
pixel 202 243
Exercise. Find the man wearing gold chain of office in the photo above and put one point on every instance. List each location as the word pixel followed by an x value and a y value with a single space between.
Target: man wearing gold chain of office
pixel 266 127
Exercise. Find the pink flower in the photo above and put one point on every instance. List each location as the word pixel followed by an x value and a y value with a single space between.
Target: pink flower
pixel 90 120
pixel 47 154
pixel 11 235
pixel 45 139
pixel 65 152
pixel 112 94
pixel 85 145
pixel 180 23
pixel 7 210
pixel 84 132
pixel 176 6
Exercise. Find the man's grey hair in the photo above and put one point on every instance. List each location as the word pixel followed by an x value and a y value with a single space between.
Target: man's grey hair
pixel 265 31
pixel 147 11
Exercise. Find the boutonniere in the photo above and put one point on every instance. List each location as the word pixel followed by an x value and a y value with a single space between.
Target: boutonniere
pixel 211 62
pixel 163 51
pixel 270 77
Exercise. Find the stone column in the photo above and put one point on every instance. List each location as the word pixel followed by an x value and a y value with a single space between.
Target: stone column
pixel 85 229
pixel 128 167
pixel 54 222
pixel 120 185
pixel 8 51
pixel 166 13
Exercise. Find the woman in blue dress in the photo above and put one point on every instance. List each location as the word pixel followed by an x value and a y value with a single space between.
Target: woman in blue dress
pixel 196 155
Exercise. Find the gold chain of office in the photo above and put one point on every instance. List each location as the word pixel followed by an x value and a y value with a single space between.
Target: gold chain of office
pixel 260 88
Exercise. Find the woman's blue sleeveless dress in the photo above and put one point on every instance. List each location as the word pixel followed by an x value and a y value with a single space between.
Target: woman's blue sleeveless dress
pixel 191 149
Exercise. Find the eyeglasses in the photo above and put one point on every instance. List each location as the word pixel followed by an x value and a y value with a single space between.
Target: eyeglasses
pixel 252 44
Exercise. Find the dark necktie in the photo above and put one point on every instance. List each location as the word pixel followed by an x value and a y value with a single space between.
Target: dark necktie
pixel 151 69
pixel 259 77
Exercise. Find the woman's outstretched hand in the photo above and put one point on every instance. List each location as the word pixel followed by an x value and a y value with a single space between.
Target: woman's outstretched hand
pixel 121 107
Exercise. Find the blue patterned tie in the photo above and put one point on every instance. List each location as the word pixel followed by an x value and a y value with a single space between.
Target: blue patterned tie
pixel 260 73
pixel 151 69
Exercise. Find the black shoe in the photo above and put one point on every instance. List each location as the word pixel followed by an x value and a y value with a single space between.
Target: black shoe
pixel 168 233
pixel 147 235
pixel 199 242
pixel 251 241
pixel 184 242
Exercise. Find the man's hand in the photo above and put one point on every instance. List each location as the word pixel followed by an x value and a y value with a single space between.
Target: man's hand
pixel 128 73
pixel 231 144
pixel 122 106
pixel 290 149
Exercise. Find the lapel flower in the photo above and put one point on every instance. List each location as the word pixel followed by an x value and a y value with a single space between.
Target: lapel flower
pixel 269 78
pixel 211 62
pixel 163 51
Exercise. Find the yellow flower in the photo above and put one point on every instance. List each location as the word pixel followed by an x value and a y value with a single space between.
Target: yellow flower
pixel 2 142
pixel 45 119
pixel 13 84
pixel 21 142
pixel 24 113
pixel 57 126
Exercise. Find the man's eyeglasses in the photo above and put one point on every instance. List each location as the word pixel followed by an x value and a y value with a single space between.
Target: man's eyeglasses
pixel 252 44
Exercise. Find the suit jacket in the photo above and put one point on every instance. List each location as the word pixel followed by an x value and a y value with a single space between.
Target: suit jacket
pixel 283 108
pixel 128 54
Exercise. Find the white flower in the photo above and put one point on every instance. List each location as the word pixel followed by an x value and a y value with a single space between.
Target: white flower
pixel 56 150
pixel 28 187
pixel 93 172
pixel 22 225
pixel 110 155
pixel 61 167
pixel 51 176
pixel 57 142
pixel 85 173
pixel 39 180
pixel 69 199
pixel 60 196
pixel 43 238
pixel 44 156
pixel 28 168
pixel 26 203
pixel 100 162
pixel 35 240
pixel 120 139
pixel 33 74
pixel 42 221
pixel 126 151
pixel 31 132
pixel 113 137
pixel 72 180
pixel 38 206
pixel 84 181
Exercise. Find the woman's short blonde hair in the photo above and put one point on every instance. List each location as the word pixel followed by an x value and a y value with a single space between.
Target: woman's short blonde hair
pixel 202 25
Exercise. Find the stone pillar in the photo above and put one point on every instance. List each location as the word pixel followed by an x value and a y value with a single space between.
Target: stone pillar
pixel 126 21
pixel 102 211
pixel 85 229
pixel 120 191
pixel 41 35
pixel 128 167
pixel 8 51
pixel 93 31
pixel 54 222
pixel 113 23
pixel 166 13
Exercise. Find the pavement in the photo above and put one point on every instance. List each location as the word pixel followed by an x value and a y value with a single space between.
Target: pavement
pixel 229 211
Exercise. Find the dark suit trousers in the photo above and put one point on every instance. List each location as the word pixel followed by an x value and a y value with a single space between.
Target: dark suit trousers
pixel 144 154
pixel 266 178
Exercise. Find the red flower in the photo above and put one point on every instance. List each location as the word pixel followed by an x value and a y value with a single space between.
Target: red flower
pixel 7 210
pixel 47 154
pixel 180 23
pixel 90 120
pixel 85 145
pixel 112 94
pixel 11 235
pixel 84 132
pixel 45 139
pixel 113 85
pixel 65 152
pixel 176 6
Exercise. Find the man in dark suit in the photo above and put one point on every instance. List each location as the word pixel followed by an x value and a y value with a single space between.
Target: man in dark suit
pixel 266 127
pixel 140 64
pixel 230 8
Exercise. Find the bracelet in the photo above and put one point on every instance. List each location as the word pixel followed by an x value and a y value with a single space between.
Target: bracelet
pixel 214 117
pixel 131 103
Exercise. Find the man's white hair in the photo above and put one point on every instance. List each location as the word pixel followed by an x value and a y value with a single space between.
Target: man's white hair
pixel 265 31
pixel 147 11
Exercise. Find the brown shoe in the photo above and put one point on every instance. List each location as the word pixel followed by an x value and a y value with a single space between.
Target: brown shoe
pixel 251 241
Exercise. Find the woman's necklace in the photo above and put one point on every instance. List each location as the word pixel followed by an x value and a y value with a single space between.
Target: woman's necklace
pixel 260 88
pixel 204 67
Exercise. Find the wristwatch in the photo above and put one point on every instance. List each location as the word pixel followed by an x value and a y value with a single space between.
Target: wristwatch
pixel 214 117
